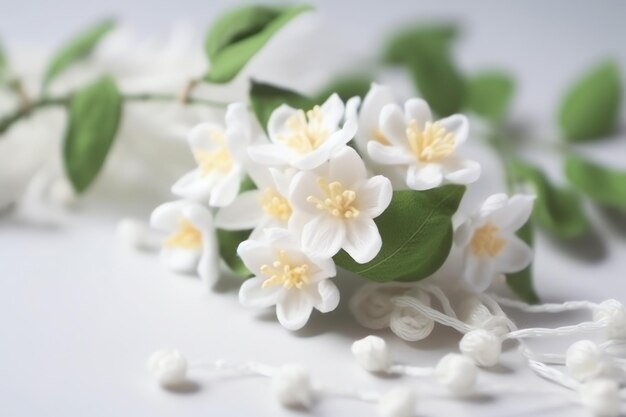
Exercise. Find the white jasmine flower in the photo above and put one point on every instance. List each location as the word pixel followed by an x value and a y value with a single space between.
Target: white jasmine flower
pixel 168 367
pixel 489 241
pixel 287 277
pixel 305 140
pixel 192 245
pixel 220 155
pixel 334 208
pixel 423 149
pixel 265 207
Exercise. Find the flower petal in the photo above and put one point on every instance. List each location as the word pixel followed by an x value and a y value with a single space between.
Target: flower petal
pixel 347 167
pixel 461 171
pixel 294 309
pixel 362 241
pixel 417 109
pixel 282 180
pixel 315 158
pixel 515 213
pixel 303 185
pixel 209 262
pixel 255 254
pixel 374 196
pixel 332 112
pixel 166 216
pixel 226 189
pixel 457 124
pixel 388 155
pixel 244 213
pixel 270 154
pixel 194 185
pixel 376 98
pixel 515 256
pixel 323 236
pixel 327 296
pixel 200 136
pixel 393 125
pixel 479 272
pixel 424 177
pixel 179 259
pixel 252 293
pixel 277 122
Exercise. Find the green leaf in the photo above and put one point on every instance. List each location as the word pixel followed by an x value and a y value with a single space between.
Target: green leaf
pixel 427 54
pixel 522 282
pixel 94 117
pixel 590 108
pixel 603 185
pixel 557 210
pixel 489 95
pixel 266 97
pixel 417 233
pixel 4 63
pixel 77 48
pixel 239 34
pixel 228 242
pixel 346 86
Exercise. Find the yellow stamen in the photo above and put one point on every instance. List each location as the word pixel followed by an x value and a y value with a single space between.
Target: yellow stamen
pixel 338 201
pixel 306 130
pixel 219 159
pixel 282 271
pixel 486 241
pixel 275 204
pixel 432 144
pixel 187 236
pixel 380 137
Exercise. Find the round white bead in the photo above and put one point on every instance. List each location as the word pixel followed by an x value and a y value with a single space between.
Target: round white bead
pixel 372 354
pixel 482 346
pixel 456 372
pixel 168 366
pixel 291 386
pixel 397 402
pixel 614 312
pixel 601 397
pixel 584 359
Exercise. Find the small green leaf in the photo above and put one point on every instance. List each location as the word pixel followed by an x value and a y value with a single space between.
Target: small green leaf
pixel 4 63
pixel 228 242
pixel 603 185
pixel 399 47
pixel 557 210
pixel 489 95
pixel 346 86
pixel 590 108
pixel 77 48
pixel 94 116
pixel 238 35
pixel 417 233
pixel 522 282
pixel 266 97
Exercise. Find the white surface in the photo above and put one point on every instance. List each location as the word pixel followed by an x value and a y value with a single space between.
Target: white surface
pixel 79 314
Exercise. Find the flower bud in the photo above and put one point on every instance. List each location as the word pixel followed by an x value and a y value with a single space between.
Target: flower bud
pixel 168 366
pixel 456 372
pixel 482 346
pixel 584 360
pixel 291 386
pixel 397 402
pixel 601 397
pixel 372 354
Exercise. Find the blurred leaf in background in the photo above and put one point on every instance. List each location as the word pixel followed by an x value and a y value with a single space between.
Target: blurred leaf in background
pixel 346 86
pixel 603 185
pixel 77 48
pixel 228 241
pixel 267 97
pixel 522 282
pixel 4 63
pixel 590 109
pixel 238 35
pixel 489 95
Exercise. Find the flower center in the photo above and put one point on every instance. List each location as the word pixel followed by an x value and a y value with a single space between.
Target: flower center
pixel 432 144
pixel 218 159
pixel 275 204
pixel 486 241
pixel 282 271
pixel 306 130
pixel 337 200
pixel 187 236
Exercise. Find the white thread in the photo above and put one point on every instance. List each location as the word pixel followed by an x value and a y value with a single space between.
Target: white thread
pixel 584 327
pixel 412 302
pixel 168 367
pixel 552 374
pixel 544 308
pixel 411 324
pixel 372 307
pixel 482 346
pixel 441 297
pixel 372 354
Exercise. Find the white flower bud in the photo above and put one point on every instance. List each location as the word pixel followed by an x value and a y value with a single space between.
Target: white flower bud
pixel 397 402
pixel 601 397
pixel 168 366
pixel 456 372
pixel 614 312
pixel 584 360
pixel 372 354
pixel 291 386
pixel 482 346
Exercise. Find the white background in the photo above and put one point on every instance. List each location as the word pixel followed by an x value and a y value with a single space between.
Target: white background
pixel 79 314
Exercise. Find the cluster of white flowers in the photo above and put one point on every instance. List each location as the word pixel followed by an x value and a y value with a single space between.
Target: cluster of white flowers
pixel 316 195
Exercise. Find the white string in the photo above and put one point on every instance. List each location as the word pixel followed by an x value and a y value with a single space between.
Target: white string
pixel 584 327
pixel 441 297
pixel 545 308
pixel 412 302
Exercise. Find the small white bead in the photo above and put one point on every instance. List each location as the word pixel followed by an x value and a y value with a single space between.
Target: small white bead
pixel 168 366
pixel 614 312
pixel 133 233
pixel 397 402
pixel 601 397
pixel 291 386
pixel 372 354
pixel 584 359
pixel 456 372
pixel 482 346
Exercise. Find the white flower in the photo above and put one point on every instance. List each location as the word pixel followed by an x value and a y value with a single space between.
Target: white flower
pixel 425 151
pixel 489 241
pixel 291 386
pixel 220 155
pixel 372 354
pixel 305 140
pixel 287 277
pixel 192 245
pixel 168 366
pixel 265 207
pixel 334 208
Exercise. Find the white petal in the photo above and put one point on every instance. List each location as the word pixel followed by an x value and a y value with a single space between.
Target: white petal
pixel 280 237
pixel 166 216
pixel 479 272
pixel 297 221
pixel 238 125
pixel 303 185
pixel 260 175
pixel 457 124
pixel 332 111
pixel 363 241
pixel 180 260
pixel 194 185
pixel 226 189
pixel 322 236
pixel 252 293
pixel 515 213
pixel 347 167
pixel 313 159
pixel 255 254
pixel 277 121
pixel 327 296
pixel 393 125
pixel 417 109
pixel 424 177
pixel 374 196
pixel 270 154
pixel 209 263
pixel 515 256
pixel 388 155
pixel 352 108
pixel 282 180
pixel 368 122
pixel 199 216
pixel 294 309
pixel 200 136
pixel 461 171
pixel 244 213
pixel 327 268
pixel 492 203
